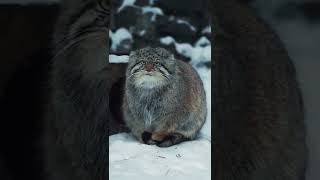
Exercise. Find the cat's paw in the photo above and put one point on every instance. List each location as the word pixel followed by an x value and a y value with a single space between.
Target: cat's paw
pixel 146 138
pixel 165 143
pixel 171 140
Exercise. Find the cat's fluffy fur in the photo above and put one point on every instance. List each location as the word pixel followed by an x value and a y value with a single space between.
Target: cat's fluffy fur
pixel 76 139
pixel 166 105
pixel 258 119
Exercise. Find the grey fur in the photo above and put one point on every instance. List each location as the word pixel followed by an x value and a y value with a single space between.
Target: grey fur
pixel 175 107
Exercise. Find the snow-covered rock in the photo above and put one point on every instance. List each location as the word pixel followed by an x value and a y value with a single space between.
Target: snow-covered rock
pixel 206 30
pixel 126 3
pixel 153 10
pixel 199 54
pixel 121 40
pixel 179 21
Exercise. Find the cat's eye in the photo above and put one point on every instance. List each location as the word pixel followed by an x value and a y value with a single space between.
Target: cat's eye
pixel 143 63
pixel 157 63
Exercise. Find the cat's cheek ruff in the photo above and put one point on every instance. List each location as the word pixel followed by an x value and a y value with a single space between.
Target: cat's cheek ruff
pixel 136 68
pixel 164 71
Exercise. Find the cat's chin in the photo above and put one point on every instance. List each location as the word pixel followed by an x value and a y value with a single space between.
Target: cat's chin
pixel 149 82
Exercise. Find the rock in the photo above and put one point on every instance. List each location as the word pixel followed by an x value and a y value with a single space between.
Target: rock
pixel 181 31
pixel 127 17
pixel 123 48
pixel 116 3
pixel 144 26
pixel 172 49
pixel 142 41
pixel 142 2
pixel 180 7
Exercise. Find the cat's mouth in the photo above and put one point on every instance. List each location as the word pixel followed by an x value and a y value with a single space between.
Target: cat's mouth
pixel 149 79
pixel 146 73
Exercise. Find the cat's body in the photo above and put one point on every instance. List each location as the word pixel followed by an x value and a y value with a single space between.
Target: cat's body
pixel 258 113
pixel 76 126
pixel 165 107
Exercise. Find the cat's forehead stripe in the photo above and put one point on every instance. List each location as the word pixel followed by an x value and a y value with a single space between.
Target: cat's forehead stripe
pixel 153 53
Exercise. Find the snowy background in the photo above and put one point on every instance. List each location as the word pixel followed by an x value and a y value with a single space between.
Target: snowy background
pixel 137 24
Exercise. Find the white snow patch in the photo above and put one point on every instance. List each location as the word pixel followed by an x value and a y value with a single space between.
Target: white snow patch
pixel 200 55
pixel 200 52
pixel 129 159
pixel 167 40
pixel 126 3
pixel 118 36
pixel 205 75
pixel 154 10
pixel 179 21
pixel 184 49
pixel 203 41
pixel 143 32
pixel 118 59
pixel 206 30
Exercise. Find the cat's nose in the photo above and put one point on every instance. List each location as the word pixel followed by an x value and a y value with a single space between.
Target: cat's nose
pixel 149 67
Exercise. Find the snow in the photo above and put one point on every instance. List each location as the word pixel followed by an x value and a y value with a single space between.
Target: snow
pixel 146 9
pixel 205 75
pixel 203 41
pixel 129 160
pixel 142 33
pixel 206 30
pixel 167 40
pixel 126 3
pixel 117 37
pixel 184 49
pixel 200 52
pixel 118 59
pixel 179 21
pixel 154 10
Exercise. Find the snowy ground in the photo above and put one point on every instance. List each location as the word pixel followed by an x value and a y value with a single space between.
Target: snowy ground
pixel 129 160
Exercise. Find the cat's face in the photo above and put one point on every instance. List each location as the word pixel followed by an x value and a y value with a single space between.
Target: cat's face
pixel 151 67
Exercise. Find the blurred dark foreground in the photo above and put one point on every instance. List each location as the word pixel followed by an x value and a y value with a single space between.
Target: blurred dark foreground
pixel 24 37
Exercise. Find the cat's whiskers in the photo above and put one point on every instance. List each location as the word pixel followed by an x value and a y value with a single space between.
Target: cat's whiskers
pixel 131 75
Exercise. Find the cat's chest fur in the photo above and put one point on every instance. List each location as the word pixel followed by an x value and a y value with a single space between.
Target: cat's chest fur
pixel 148 114
pixel 148 107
